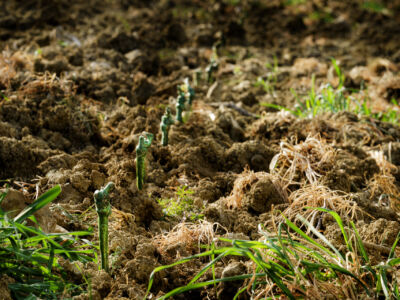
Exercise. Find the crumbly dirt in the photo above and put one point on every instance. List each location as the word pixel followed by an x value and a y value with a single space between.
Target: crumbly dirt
pixel 80 82
pixel 4 281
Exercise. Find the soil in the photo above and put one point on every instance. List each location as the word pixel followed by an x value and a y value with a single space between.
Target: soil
pixel 80 82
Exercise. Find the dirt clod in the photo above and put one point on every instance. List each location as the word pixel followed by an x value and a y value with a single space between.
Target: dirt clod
pixel 80 81
pixel 228 290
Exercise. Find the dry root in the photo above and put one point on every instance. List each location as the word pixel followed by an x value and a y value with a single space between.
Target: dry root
pixel 10 65
pixel 48 84
pixel 383 184
pixel 309 158
pixel 190 235
pixel 317 195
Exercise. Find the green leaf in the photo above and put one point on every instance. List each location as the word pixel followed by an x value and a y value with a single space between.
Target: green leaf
pixel 51 259
pixel 394 261
pixel 338 221
pixel 391 254
pixel 40 202
pixel 197 285
pixel 306 237
pixel 338 72
pixel 338 256
pixel 360 244
pixel 277 107
pixel 384 283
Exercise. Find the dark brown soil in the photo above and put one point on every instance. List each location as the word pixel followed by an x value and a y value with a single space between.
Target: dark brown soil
pixel 80 81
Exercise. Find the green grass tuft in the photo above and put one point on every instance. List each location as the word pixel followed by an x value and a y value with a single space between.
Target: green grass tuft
pixel 299 263
pixel 335 99
pixel 182 206
pixel 31 256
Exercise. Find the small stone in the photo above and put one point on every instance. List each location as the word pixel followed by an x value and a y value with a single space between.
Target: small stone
pixel 229 289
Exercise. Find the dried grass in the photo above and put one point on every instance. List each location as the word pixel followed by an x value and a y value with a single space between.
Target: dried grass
pixel 384 184
pixel 191 235
pixel 11 64
pixel 358 133
pixel 308 158
pixel 310 287
pixel 48 83
pixel 318 195
pixel 121 219
pixel 18 63
pixel 6 74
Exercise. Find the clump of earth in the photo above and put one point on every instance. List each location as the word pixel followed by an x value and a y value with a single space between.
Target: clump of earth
pixel 80 82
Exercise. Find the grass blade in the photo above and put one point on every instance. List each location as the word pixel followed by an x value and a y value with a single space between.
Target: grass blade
pixel 40 202
pixel 307 238
pixel 338 221
pixel 391 254
pixel 197 285
pixel 360 244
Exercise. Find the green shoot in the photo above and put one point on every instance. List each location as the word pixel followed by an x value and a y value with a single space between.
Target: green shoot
pixel 211 68
pixel 38 52
pixel 4 97
pixel 376 7
pixel 63 43
pixel 125 24
pixel 189 92
pixel 390 115
pixel 265 84
pixel 141 152
pixel 273 69
pixel 103 208
pixel 213 65
pixel 269 81
pixel 197 77
pixel 323 15
pixel 180 105
pixel 166 122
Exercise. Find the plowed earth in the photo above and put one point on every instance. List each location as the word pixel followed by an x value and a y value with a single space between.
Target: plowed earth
pixel 80 82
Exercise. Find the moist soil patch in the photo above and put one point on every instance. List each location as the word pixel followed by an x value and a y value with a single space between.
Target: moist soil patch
pixel 79 83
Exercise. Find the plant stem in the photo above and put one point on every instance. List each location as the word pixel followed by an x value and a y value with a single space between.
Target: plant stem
pixel 164 136
pixel 103 237
pixel 140 172
pixel 166 122
pixel 180 106
pixel 103 208
pixel 141 151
